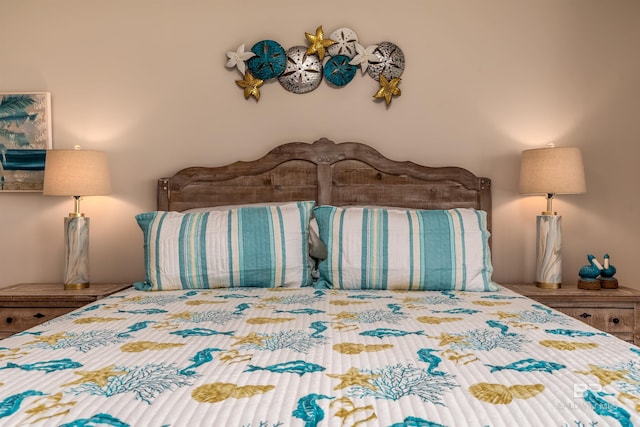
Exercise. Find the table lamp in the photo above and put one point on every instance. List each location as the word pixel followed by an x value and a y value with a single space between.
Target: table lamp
pixel 76 173
pixel 550 171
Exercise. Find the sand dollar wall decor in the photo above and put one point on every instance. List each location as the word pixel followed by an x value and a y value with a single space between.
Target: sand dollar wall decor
pixel 335 59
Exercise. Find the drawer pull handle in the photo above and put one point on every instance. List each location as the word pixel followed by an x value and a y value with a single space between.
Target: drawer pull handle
pixel 585 315
pixel 38 316
pixel 615 320
pixel 9 319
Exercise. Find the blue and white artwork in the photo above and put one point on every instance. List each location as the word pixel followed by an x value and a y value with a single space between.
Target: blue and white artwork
pixel 25 135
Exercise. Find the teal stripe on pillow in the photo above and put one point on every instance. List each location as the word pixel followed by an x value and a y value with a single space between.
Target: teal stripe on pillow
pixel 438 253
pixel 377 248
pixel 366 257
pixel 463 249
pixel 231 243
pixel 412 252
pixel 257 255
pixel 247 246
pixel 339 242
pixel 192 252
pixel 156 254
pixel 283 248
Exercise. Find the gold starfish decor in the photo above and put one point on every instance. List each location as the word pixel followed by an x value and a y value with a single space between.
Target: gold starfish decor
pixel 388 89
pixel 250 85
pixel 318 43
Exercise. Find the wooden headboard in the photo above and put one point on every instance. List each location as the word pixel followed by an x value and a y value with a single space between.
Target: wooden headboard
pixel 348 173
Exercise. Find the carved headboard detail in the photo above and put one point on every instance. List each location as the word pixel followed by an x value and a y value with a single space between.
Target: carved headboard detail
pixel 347 173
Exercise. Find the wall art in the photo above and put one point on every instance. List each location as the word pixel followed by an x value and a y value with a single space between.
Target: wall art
pixel 334 59
pixel 25 135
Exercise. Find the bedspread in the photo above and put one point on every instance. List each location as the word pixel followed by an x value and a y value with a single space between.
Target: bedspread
pixel 306 357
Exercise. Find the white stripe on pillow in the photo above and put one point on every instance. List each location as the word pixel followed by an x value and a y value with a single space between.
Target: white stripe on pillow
pixel 380 248
pixel 264 246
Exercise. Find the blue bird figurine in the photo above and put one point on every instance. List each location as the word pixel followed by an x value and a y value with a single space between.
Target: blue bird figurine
pixel 607 280
pixel 589 274
pixel 591 270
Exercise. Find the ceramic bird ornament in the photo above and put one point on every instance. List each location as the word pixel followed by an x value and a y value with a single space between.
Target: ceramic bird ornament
pixel 590 271
pixel 607 280
pixel 589 274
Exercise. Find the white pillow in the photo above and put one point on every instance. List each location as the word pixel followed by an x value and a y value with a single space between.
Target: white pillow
pixel 258 246
pixel 381 248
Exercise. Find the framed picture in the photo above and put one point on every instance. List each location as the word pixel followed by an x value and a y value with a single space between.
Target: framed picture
pixel 25 136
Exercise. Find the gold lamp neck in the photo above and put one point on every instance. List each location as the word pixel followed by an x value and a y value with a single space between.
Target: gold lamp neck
pixel 76 207
pixel 550 210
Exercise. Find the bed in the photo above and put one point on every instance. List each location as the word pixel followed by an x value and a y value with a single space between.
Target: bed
pixel 320 285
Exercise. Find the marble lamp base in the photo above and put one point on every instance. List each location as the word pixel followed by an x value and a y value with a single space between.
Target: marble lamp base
pixel 548 244
pixel 76 252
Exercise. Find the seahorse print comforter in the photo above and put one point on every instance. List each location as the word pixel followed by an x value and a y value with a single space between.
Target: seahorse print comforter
pixel 251 357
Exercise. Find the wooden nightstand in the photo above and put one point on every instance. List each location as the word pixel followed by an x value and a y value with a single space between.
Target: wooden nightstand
pixel 28 304
pixel 616 311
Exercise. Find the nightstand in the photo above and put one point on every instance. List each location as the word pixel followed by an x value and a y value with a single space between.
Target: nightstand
pixel 616 311
pixel 26 305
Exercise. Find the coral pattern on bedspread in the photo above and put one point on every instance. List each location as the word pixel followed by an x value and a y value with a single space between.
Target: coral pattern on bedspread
pixel 308 357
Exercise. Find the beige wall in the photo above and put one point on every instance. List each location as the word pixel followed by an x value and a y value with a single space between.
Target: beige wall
pixel 145 81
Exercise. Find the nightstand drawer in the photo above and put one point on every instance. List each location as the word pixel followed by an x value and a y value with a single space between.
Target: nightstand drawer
pixel 16 319
pixel 25 305
pixel 616 311
pixel 612 320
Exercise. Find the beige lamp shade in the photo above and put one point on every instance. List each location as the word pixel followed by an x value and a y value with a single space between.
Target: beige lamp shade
pixel 552 171
pixel 76 173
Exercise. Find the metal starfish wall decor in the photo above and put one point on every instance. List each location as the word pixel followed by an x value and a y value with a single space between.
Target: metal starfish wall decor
pixel 336 58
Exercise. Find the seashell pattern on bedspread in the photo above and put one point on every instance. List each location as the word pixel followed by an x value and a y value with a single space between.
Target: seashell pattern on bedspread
pixel 317 357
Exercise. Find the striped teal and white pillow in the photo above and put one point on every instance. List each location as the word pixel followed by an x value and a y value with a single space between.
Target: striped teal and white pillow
pixel 263 246
pixel 380 248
